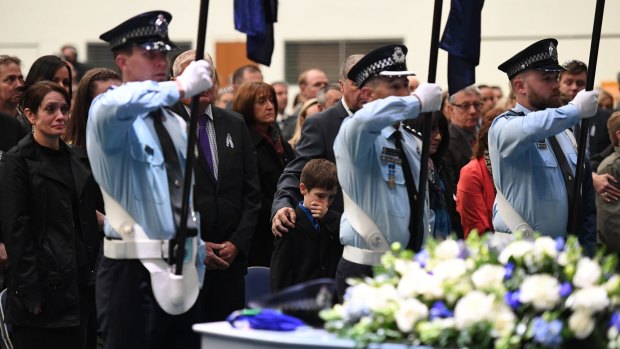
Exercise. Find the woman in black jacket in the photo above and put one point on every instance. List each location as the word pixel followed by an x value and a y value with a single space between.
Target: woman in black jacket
pixel 257 102
pixel 48 211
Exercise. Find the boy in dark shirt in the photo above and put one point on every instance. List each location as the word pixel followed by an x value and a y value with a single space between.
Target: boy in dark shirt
pixel 312 249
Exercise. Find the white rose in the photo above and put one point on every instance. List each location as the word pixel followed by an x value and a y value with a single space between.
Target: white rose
pixel 541 290
pixel 488 276
pixel 476 306
pixel 450 269
pixel 503 319
pixel 592 299
pixel 516 249
pixel 409 312
pixel 403 266
pixel 383 297
pixel 420 283
pixel 358 299
pixel 545 246
pixel 447 249
pixel 581 323
pixel 588 273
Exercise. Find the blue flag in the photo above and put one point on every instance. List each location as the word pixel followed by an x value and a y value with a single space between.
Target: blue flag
pixel 461 39
pixel 255 18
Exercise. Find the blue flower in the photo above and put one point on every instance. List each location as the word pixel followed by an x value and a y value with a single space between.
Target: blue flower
pixel 559 243
pixel 510 268
pixel 512 299
pixel 422 257
pixel 547 333
pixel 463 250
pixel 615 320
pixel 565 289
pixel 439 310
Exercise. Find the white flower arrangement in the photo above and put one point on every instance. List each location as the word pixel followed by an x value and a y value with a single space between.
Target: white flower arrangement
pixel 532 294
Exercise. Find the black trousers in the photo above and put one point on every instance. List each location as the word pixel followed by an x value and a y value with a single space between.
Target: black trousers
pixel 347 270
pixel 220 296
pixel 129 316
pixel 25 337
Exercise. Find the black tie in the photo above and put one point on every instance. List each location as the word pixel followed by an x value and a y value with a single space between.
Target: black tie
pixel 173 171
pixel 415 237
pixel 569 181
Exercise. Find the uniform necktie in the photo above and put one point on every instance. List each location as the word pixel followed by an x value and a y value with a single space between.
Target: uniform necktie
pixel 415 237
pixel 173 171
pixel 203 137
pixel 569 181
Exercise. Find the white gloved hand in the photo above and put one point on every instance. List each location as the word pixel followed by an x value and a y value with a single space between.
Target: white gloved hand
pixel 586 102
pixel 429 96
pixel 196 78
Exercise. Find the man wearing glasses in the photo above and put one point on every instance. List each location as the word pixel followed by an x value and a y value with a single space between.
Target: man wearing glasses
pixel 464 106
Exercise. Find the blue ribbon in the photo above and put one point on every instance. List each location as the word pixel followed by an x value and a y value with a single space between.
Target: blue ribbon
pixel 265 319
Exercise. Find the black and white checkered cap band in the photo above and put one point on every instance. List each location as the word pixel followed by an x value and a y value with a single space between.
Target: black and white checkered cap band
pixel 527 62
pixel 136 33
pixel 375 69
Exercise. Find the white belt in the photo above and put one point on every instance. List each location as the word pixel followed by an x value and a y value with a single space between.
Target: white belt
pixel 362 256
pixel 134 249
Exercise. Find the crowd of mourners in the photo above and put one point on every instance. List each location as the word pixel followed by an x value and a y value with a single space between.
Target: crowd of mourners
pixel 266 185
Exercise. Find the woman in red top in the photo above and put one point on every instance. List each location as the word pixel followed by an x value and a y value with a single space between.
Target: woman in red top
pixel 475 192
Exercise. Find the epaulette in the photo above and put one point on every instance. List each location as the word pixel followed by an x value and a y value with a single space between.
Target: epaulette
pixel 411 130
pixel 512 112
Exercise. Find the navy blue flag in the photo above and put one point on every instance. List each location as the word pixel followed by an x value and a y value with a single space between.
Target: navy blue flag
pixel 461 38
pixel 255 18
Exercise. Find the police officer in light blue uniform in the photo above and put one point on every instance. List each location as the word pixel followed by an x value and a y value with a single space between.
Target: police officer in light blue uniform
pixel 137 152
pixel 371 167
pixel 533 152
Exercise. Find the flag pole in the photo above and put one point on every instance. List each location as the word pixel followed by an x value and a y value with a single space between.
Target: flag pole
pixel 426 132
pixel 585 123
pixel 191 144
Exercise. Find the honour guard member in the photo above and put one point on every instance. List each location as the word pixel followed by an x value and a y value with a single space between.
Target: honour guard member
pixel 378 164
pixel 136 148
pixel 534 155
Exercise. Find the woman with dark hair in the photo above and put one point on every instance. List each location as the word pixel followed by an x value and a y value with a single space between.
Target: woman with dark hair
pixel 48 221
pixel 95 82
pixel 475 192
pixel 53 69
pixel 440 195
pixel 256 101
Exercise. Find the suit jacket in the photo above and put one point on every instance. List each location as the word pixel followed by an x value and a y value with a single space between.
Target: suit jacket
pixel 229 206
pixel 11 132
pixel 475 196
pixel 598 138
pixel 270 167
pixel 305 254
pixel 317 142
pixel 458 155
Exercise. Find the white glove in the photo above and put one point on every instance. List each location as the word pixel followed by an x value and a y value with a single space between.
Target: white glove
pixel 586 102
pixel 429 96
pixel 196 78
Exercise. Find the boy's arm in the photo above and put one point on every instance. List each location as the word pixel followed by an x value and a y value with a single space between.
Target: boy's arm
pixel 283 262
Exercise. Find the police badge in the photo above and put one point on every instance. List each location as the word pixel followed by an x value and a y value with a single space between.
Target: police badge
pixel 553 52
pixel 398 56
pixel 161 25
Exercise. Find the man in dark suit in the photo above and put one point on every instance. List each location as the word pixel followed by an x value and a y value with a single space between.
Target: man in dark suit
pixel 227 196
pixel 572 81
pixel 317 142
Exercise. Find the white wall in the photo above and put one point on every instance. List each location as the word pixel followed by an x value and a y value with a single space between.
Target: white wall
pixel 32 28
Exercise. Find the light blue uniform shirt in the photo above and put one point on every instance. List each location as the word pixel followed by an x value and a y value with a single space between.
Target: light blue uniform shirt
pixel 525 168
pixel 126 158
pixel 364 176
